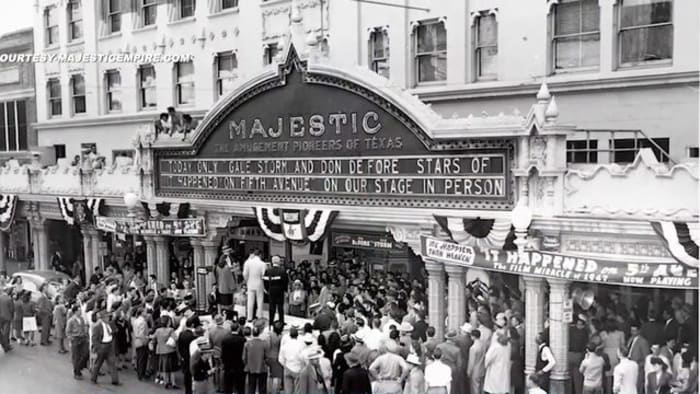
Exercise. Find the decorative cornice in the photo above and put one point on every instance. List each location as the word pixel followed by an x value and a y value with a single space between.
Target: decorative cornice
pixel 557 84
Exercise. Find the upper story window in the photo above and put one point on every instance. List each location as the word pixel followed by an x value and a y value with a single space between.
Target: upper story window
pixel 379 51
pixel 625 150
pixel 582 151
pixel 113 83
pixel 646 31
pixel 114 16
pixel 148 12
pixel 185 83
pixel 486 46
pixel 226 4
pixel 271 51
pixel 147 87
pixel 77 86
pixel 75 20
pixel 576 35
pixel 13 126
pixel 431 52
pixel 186 8
pixel 51 25
pixel 53 88
pixel 226 66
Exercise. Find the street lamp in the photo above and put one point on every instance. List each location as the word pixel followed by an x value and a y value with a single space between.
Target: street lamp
pixel 131 201
pixel 521 217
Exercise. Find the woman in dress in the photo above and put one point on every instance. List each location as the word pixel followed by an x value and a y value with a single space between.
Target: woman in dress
pixel 121 336
pixel 17 318
pixel 612 338
pixel 297 300
pixel 165 349
pixel 276 369
pixel 59 322
pixel 28 319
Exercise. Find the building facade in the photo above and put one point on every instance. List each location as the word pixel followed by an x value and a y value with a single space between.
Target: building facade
pixel 304 138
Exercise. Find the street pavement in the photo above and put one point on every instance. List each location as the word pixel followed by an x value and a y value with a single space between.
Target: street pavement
pixel 41 369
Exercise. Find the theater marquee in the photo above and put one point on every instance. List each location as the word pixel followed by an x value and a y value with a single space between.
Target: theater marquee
pixel 303 137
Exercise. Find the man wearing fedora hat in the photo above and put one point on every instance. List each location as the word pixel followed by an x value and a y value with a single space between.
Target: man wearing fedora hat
pixel 316 375
pixel 355 378
pixel 452 356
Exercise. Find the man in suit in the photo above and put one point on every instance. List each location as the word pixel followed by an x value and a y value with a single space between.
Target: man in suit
pixel 253 272
pixel 71 291
pixel 625 374
pixel 276 284
pixel 452 356
pixel 255 357
pixel 638 350
pixel 184 340
pixel 476 368
pixel 671 325
pixel 77 332
pixel 232 361
pixel 7 312
pixel 140 340
pixel 103 347
pixel 44 315
pixel 652 329
pixel 431 343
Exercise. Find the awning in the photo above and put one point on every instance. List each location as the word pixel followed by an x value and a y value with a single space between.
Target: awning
pixel 681 240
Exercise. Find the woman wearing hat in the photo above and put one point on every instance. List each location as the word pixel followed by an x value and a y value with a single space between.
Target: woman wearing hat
pixel 297 300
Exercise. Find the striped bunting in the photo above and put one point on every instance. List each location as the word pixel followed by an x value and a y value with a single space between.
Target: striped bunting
pixel 8 207
pixel 681 240
pixel 300 225
pixel 69 207
pixel 166 209
pixel 482 233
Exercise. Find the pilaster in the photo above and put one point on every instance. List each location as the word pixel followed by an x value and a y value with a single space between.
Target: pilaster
pixel 534 319
pixel 150 256
pixel 162 260
pixel 210 253
pixel 90 247
pixel 436 297
pixel 456 298
pixel 558 335
pixel 200 280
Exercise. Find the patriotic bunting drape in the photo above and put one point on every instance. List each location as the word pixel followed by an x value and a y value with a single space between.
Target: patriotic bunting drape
pixel 79 211
pixel 681 240
pixel 483 233
pixel 8 207
pixel 166 209
pixel 294 224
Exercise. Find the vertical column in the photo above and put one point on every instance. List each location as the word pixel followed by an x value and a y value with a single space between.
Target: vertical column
pixel 436 297
pixel 150 256
pixel 558 335
pixel 41 245
pixel 534 319
pixel 96 250
pixel 210 252
pixel 162 260
pixel 3 246
pixel 87 255
pixel 456 301
pixel 200 282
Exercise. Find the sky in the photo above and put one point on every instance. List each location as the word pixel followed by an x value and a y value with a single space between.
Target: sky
pixel 16 14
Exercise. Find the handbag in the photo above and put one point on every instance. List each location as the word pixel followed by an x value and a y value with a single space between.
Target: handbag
pixel 171 342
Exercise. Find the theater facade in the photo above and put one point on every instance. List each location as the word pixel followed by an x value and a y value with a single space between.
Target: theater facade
pixel 314 162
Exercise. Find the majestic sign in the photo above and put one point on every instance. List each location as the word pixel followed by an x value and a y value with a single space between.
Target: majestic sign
pixel 307 137
pixel 554 265
pixel 193 227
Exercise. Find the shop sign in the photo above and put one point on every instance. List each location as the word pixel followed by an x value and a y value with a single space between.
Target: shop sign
pixel 555 265
pixel 315 139
pixel 191 227
pixel 568 311
pixel 366 241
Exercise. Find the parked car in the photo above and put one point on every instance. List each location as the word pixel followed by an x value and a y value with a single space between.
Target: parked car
pixel 32 280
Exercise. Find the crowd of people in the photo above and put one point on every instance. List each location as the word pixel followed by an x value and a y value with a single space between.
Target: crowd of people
pixel 363 332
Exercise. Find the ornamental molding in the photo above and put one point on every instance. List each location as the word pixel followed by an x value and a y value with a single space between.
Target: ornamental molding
pixel 644 189
pixel 550 5
pixel 644 249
